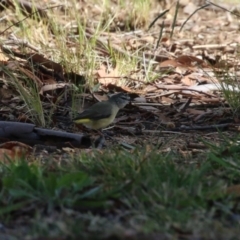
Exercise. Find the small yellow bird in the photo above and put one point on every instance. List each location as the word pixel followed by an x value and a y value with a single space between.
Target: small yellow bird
pixel 102 114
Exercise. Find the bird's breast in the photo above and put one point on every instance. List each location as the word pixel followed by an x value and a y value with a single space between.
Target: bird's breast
pixel 102 123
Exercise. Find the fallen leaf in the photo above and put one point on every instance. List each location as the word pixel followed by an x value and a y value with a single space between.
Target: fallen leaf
pixel 14 150
pixel 106 77
pixel 190 60
pixel 234 190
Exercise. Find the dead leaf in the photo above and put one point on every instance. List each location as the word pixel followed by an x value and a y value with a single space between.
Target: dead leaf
pixel 6 93
pixel 32 76
pixel 170 63
pixel 106 77
pixel 40 59
pixel 164 120
pixel 187 81
pixel 190 60
pixel 195 111
pixel 234 190
pixel 14 150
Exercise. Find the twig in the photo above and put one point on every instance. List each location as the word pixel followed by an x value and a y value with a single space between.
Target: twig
pixel 211 3
pixel 204 6
pixel 160 35
pixel 215 126
pixel 17 23
pixel 160 15
pixel 180 89
pixel 20 42
pixel 144 66
pixel 174 19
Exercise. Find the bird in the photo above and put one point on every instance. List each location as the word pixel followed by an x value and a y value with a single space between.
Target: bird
pixel 102 114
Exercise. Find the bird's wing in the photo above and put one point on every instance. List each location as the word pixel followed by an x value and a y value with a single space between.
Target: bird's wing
pixel 97 111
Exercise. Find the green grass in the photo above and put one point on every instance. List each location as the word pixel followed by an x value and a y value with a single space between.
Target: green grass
pixel 28 91
pixel 230 87
pixel 97 195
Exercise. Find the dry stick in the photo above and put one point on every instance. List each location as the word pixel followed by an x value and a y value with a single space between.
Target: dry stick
pixel 182 89
pixel 185 105
pixel 144 66
pixel 132 79
pixel 146 104
pixel 160 35
pixel 211 3
pixel 19 42
pixel 196 146
pixel 204 6
pixel 160 15
pixel 175 19
pixel 215 126
pixel 214 46
pixel 14 24
pixel 163 131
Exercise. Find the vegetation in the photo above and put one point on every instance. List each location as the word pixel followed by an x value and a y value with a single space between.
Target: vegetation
pixel 114 194
pixel 157 189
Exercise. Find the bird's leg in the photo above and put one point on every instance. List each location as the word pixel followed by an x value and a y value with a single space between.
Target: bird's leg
pixel 108 134
pixel 99 142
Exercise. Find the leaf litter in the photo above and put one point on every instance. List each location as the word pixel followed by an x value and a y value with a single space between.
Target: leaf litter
pixel 175 82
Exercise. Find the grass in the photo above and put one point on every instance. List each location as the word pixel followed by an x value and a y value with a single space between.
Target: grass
pixel 81 57
pixel 98 195
pixel 230 87
pixel 28 91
